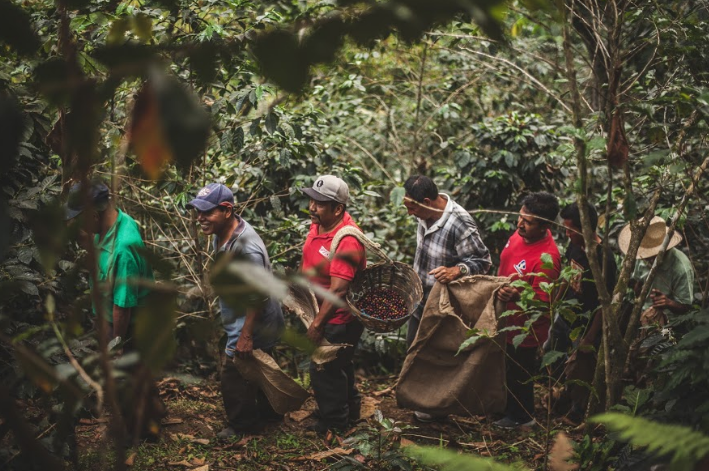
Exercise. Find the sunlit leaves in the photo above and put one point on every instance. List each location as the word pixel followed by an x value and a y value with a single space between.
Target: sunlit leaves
pixel 168 125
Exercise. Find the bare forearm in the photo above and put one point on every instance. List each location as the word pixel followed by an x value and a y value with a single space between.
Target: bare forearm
pixel 252 316
pixel 595 328
pixel 121 320
pixel 339 288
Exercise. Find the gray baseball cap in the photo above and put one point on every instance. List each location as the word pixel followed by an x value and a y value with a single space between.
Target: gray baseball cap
pixel 328 188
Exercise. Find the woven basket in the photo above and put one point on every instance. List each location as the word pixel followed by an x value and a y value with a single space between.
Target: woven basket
pixel 386 274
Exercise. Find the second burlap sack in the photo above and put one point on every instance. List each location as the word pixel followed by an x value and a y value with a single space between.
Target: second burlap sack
pixel 436 380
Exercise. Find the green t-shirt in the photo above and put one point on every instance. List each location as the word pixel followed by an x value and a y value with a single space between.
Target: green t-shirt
pixel 120 265
pixel 675 277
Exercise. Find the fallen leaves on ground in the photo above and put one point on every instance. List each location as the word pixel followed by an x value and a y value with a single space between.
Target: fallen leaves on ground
pixel 403 443
pixel 299 415
pixel 172 421
pixel 322 455
pixel 190 438
pixel 561 452
pixel 131 459
pixel 369 406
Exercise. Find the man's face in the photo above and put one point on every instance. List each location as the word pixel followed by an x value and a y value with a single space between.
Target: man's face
pixel 573 233
pixel 414 208
pixel 213 221
pixel 323 213
pixel 529 227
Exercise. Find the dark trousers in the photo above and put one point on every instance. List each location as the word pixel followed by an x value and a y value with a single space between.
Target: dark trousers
pixel 521 366
pixel 414 322
pixel 334 382
pixel 244 402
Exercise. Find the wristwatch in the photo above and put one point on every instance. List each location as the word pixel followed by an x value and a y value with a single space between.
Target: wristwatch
pixel 463 269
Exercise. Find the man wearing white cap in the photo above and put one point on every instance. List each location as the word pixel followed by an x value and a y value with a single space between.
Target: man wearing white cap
pixel 333 382
pixel 672 288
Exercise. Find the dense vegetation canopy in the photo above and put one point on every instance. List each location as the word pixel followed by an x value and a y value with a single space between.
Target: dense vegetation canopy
pixel 604 102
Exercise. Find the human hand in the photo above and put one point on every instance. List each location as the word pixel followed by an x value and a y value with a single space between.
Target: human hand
pixel 445 275
pixel 315 333
pixel 244 347
pixel 660 300
pixel 507 294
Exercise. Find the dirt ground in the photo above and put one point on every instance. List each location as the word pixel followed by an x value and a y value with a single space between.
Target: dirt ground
pixel 187 440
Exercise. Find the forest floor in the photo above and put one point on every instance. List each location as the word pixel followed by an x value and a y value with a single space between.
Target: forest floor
pixel 188 442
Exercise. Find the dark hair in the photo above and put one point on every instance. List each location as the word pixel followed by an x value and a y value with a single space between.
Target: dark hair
pixel 542 204
pixel 420 187
pixel 572 213
pixel 335 204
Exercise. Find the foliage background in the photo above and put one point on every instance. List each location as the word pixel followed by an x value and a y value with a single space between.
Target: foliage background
pixel 488 115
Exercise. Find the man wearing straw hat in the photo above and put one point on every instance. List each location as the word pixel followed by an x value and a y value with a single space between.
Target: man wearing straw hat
pixel 672 288
pixel 246 328
pixel 333 382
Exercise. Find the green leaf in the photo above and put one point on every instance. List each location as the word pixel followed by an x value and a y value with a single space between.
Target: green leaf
pixel 547 261
pixel 686 446
pixel 237 139
pixel 518 339
pixel 551 357
pixel 396 197
pixel 448 460
pixel 271 122
pixel 469 342
pixel 697 336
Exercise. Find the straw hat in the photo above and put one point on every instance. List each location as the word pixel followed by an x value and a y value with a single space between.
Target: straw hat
pixel 650 246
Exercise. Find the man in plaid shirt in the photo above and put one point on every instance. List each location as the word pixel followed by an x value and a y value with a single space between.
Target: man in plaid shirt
pixel 448 244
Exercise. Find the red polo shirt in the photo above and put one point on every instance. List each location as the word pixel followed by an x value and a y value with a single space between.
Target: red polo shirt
pixel 520 259
pixel 350 258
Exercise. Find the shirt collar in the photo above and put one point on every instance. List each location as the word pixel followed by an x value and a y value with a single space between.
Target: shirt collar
pixel 441 221
pixel 236 233
pixel 111 233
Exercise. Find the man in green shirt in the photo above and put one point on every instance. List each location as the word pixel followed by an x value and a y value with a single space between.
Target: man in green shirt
pixel 672 289
pixel 121 269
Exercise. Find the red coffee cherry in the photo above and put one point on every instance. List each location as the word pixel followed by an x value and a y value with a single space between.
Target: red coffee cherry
pixel 383 303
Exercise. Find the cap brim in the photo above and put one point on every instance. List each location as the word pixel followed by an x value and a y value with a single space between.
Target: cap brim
pixel 201 205
pixel 315 195
pixel 70 213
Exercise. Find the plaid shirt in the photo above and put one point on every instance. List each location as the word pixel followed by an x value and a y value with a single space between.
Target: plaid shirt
pixel 452 239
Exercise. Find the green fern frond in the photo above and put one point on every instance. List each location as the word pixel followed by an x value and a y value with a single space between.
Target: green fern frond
pixel 451 461
pixel 685 445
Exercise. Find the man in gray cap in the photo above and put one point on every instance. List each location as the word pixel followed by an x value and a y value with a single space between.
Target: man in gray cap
pixel 333 382
pixel 247 328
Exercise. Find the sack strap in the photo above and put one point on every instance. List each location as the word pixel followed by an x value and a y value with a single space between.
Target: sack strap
pixel 357 234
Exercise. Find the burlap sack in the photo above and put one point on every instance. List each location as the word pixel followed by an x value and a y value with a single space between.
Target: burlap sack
pixel 435 380
pixel 284 394
pixel 301 301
